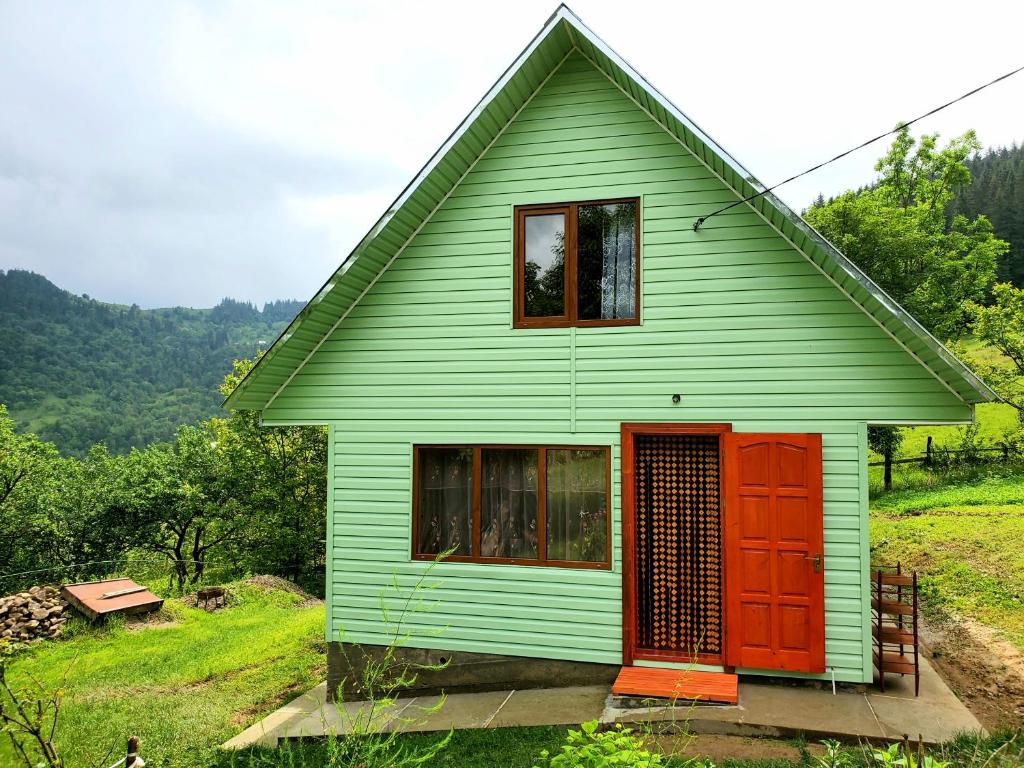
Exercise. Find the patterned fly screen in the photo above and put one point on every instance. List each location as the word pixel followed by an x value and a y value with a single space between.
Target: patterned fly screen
pixel 678 544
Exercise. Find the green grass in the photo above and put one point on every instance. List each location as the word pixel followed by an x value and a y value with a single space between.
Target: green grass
pixel 962 530
pixel 971 560
pixel 505 747
pixel 917 489
pixel 519 748
pixel 182 688
pixel 995 421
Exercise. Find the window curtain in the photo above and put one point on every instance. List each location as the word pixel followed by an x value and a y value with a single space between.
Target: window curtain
pixel 577 512
pixel 618 240
pixel 508 503
pixel 446 501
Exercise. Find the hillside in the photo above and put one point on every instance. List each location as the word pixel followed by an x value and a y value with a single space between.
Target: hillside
pixel 77 371
pixel 997 190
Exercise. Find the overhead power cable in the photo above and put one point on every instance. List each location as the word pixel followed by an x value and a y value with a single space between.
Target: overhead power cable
pixel 700 220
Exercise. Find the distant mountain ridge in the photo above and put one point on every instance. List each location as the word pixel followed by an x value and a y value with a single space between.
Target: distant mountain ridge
pixel 77 371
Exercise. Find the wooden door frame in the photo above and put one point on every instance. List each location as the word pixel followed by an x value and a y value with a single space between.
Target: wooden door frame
pixel 628 494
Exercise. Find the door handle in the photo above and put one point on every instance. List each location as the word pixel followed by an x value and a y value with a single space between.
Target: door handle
pixel 817 561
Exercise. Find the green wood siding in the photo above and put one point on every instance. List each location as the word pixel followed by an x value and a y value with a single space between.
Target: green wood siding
pixel 735 319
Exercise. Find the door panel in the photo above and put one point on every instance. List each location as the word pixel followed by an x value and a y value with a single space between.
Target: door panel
pixel 774 586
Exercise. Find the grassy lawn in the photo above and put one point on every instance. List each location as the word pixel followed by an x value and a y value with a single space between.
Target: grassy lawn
pixel 505 747
pixel 965 538
pixel 917 490
pixel 181 686
pixel 520 747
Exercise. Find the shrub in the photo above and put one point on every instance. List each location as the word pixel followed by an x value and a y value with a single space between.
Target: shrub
pixel 590 748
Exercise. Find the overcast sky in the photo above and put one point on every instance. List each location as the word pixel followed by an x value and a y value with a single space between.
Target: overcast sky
pixel 174 153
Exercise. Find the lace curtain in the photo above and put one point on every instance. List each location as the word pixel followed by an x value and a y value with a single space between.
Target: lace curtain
pixel 508 503
pixel 446 501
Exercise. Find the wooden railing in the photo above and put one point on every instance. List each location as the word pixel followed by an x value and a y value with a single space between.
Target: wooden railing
pixel 930 453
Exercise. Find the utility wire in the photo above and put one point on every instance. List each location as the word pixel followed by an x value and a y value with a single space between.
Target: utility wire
pixel 697 224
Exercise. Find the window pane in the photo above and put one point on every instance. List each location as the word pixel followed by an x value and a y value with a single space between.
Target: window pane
pixel 446 500
pixel 606 261
pixel 508 503
pixel 577 505
pixel 544 269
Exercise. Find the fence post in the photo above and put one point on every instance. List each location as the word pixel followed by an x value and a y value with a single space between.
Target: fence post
pixel 133 751
pixel 928 452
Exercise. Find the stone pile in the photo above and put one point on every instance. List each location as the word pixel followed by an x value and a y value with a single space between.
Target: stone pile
pixel 33 615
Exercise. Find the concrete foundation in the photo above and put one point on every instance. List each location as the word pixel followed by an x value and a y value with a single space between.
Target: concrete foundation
pixel 456 671
pixel 766 709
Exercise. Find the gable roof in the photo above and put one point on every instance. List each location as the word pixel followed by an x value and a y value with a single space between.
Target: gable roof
pixel 563 33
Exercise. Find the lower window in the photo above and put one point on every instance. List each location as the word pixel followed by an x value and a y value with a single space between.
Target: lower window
pixel 525 505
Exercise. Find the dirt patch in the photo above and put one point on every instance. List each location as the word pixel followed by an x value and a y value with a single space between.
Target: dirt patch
pixel 981 667
pixel 137 625
pixel 160 619
pixel 720 748
pixel 283 585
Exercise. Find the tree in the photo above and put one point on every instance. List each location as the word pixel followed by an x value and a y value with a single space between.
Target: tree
pixel 95 515
pixel 997 190
pixel 898 231
pixel 885 440
pixel 27 472
pixel 282 474
pixel 1001 325
pixel 192 501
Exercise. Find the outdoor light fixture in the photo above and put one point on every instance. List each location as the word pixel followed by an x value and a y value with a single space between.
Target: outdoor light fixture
pixel 676 399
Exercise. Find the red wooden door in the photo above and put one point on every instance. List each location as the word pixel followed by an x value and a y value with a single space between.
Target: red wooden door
pixel 774 578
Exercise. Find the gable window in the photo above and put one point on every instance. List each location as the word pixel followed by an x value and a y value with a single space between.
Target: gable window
pixel 577 264
pixel 521 505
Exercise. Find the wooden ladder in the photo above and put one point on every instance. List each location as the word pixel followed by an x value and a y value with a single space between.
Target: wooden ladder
pixel 895 624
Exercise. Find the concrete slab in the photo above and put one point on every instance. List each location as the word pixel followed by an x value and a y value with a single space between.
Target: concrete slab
pixel 264 733
pixel 773 709
pixel 768 710
pixel 780 709
pixel 338 719
pixel 460 711
pixel 552 706
pixel 937 709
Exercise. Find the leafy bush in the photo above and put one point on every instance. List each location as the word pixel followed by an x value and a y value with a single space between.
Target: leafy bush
pixel 590 748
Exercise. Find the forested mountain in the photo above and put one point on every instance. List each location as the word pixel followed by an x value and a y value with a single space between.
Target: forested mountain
pixel 997 190
pixel 77 371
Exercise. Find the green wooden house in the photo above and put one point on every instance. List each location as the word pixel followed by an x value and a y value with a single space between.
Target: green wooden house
pixel 640 443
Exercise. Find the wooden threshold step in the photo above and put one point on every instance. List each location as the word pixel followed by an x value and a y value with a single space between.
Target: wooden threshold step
pixel 677 684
